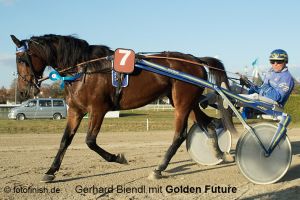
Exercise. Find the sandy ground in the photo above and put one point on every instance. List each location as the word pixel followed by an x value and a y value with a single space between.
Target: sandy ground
pixel 24 158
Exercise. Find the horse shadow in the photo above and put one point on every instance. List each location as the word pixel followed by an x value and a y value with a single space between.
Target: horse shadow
pixel 114 172
pixel 185 169
pixel 180 168
pixel 173 172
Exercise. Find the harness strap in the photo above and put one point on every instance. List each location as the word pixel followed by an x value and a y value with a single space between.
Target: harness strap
pixel 116 100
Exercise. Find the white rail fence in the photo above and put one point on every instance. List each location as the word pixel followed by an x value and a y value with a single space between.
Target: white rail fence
pixel 156 107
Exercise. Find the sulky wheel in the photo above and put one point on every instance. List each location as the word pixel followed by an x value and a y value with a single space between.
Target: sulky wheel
pixel 253 162
pixel 199 145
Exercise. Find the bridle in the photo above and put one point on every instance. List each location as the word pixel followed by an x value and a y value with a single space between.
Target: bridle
pixel 26 59
pixel 37 80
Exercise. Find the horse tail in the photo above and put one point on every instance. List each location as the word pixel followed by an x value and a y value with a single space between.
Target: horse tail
pixel 218 74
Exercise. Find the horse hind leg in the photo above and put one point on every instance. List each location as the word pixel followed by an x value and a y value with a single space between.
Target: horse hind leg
pixel 225 156
pixel 95 123
pixel 211 123
pixel 200 117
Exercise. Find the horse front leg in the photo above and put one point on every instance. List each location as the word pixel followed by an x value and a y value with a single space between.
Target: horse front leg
pixel 95 123
pixel 73 122
pixel 179 137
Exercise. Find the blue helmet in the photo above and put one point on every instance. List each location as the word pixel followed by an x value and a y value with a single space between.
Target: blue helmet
pixel 279 54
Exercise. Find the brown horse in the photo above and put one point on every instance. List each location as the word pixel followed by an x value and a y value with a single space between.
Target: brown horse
pixel 93 92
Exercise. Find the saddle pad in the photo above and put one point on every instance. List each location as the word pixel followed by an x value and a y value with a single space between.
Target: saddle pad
pixel 115 82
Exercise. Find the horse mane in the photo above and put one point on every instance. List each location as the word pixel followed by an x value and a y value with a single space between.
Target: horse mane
pixel 66 51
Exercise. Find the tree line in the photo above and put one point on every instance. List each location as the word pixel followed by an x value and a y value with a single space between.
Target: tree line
pixel 47 90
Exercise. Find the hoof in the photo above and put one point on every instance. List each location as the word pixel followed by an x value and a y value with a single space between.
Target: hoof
pixel 227 158
pixel 121 159
pixel 155 175
pixel 48 178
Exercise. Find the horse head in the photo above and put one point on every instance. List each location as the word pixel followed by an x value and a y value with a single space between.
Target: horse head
pixel 30 67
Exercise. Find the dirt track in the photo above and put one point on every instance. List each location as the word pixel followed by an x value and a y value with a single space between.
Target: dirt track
pixel 25 158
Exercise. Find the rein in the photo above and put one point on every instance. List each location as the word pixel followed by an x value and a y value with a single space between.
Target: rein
pixel 173 58
pixel 141 56
pixel 187 61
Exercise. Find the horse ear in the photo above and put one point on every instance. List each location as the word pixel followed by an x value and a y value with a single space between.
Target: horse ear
pixel 16 41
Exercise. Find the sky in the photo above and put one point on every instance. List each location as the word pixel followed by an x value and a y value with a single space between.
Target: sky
pixel 235 31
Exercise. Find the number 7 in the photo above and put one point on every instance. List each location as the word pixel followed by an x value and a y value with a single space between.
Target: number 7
pixel 126 55
pixel 124 61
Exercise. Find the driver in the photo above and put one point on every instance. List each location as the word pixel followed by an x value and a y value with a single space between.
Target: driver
pixel 276 89
pixel 278 83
